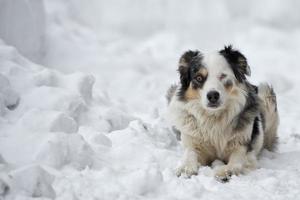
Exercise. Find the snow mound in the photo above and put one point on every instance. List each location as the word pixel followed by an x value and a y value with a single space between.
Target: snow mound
pixel 4 186
pixel 42 110
pixel 53 121
pixel 9 99
pixel 33 181
pixel 61 149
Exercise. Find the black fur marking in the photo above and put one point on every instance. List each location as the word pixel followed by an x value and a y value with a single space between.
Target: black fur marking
pixel 263 120
pixel 237 61
pixel 189 64
pixel 255 133
pixel 255 88
pixel 184 80
pixel 250 111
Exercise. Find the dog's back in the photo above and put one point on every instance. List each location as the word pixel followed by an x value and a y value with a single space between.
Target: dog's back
pixel 270 116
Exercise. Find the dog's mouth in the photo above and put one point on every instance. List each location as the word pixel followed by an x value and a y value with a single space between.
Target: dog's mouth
pixel 213 105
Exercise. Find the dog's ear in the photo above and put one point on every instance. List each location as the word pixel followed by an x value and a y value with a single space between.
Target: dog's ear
pixel 184 67
pixel 237 61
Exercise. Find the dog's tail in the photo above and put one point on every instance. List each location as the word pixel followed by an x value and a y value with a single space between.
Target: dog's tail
pixel 270 118
pixel 170 93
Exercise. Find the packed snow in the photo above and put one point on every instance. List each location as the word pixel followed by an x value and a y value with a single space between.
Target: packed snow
pixel 82 96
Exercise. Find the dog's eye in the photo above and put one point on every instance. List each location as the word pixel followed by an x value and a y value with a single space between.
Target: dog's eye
pixel 199 79
pixel 222 76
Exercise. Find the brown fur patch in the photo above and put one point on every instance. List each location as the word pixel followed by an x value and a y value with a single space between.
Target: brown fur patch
pixel 203 72
pixel 233 91
pixel 191 93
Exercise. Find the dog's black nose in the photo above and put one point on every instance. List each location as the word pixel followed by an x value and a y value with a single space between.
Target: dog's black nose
pixel 213 96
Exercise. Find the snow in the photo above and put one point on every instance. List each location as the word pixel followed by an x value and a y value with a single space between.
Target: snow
pixel 82 96
pixel 32 181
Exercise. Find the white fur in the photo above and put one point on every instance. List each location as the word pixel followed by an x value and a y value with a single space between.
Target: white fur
pixel 216 65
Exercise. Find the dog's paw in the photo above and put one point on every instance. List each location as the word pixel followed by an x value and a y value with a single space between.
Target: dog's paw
pixel 223 174
pixel 187 170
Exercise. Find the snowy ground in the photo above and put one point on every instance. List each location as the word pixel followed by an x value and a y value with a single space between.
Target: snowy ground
pixel 87 121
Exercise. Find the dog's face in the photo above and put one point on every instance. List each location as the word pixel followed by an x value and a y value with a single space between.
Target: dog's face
pixel 212 79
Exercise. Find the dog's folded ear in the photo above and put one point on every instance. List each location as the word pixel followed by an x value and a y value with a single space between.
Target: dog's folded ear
pixel 184 66
pixel 237 61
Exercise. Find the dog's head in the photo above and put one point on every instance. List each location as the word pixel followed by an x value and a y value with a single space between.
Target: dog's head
pixel 212 79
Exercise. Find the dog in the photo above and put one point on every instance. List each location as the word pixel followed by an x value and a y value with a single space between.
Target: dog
pixel 219 114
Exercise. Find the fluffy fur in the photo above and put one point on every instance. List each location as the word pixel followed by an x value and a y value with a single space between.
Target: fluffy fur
pixel 219 114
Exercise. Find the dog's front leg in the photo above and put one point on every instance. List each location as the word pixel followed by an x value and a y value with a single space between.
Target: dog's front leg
pixel 189 164
pixel 236 163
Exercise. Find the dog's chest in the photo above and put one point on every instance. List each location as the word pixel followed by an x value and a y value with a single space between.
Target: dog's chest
pixel 215 135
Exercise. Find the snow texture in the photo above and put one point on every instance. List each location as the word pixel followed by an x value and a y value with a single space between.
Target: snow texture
pixel 82 96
